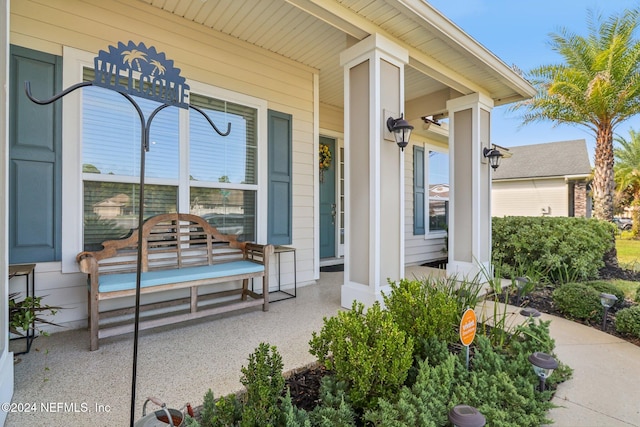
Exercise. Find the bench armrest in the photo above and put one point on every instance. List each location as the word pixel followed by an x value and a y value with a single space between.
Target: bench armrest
pixel 88 262
pixel 258 253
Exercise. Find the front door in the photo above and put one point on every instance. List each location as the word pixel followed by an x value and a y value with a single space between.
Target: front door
pixel 328 208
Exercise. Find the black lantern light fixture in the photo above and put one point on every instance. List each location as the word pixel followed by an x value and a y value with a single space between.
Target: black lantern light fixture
pixel 401 130
pixel 607 301
pixel 466 416
pixel 543 366
pixel 494 155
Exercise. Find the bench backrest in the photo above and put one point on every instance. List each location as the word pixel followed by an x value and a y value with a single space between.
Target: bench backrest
pixel 170 241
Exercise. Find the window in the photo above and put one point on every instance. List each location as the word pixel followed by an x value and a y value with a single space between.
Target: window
pixel 438 182
pixel 217 181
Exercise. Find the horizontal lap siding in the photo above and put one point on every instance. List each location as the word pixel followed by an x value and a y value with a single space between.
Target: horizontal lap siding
pixel 529 197
pixel 417 249
pixel 202 55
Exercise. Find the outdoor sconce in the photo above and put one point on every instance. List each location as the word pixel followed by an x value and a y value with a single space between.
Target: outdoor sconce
pixel 466 416
pixel 401 130
pixel 607 301
pixel 494 155
pixel 543 366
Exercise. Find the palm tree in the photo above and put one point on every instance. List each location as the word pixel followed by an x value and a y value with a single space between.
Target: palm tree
pixel 133 56
pixel 627 173
pixel 597 87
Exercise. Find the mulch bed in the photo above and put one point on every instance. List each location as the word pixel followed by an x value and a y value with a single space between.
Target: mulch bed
pixel 541 299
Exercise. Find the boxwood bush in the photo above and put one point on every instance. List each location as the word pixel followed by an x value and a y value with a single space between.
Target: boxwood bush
pixel 609 288
pixel 559 249
pixel 578 301
pixel 628 321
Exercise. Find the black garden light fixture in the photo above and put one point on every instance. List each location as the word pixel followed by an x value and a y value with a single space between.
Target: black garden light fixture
pixel 466 416
pixel 607 301
pixel 530 312
pixel 401 130
pixel 543 366
pixel 494 155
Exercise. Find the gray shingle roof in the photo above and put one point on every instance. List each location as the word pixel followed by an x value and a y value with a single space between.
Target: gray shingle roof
pixel 545 160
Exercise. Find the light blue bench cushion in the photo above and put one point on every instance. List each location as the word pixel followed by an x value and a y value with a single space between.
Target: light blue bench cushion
pixel 127 281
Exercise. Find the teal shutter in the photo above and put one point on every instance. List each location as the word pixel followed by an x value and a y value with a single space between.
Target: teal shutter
pixel 279 222
pixel 418 190
pixel 35 172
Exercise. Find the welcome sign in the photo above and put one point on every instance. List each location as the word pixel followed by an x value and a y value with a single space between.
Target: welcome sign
pixel 140 71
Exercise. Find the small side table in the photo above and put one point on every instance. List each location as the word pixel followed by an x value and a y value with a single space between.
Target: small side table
pixel 28 271
pixel 278 250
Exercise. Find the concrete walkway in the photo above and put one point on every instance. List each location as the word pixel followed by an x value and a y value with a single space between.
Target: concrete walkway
pixel 64 383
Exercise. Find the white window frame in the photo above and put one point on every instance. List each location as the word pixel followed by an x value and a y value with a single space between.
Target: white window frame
pixel 74 61
pixel 428 234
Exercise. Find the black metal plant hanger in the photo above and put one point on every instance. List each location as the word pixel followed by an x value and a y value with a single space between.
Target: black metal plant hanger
pixel 145 126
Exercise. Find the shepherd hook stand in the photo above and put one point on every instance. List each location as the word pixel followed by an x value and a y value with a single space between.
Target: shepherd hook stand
pixel 145 125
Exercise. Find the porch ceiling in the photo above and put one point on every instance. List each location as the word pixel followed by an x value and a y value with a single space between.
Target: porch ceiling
pixel 314 32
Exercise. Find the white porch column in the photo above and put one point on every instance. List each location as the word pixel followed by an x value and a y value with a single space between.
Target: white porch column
pixel 374 169
pixel 470 186
pixel 6 358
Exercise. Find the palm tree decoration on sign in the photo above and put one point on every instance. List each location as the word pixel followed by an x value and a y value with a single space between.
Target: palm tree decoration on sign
pixel 597 87
pixel 134 56
pixel 627 174
pixel 157 67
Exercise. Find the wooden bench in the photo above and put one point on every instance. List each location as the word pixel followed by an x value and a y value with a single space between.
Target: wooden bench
pixel 178 251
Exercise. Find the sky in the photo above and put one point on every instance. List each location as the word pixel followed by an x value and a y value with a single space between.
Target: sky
pixel 517 32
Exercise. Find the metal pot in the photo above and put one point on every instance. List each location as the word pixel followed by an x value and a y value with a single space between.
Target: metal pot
pixel 163 417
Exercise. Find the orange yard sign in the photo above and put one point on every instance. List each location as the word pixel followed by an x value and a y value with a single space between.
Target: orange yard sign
pixel 468 327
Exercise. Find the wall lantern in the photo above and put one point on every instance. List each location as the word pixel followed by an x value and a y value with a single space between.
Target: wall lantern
pixel 401 130
pixel 494 155
pixel 543 366
pixel 466 416
pixel 607 301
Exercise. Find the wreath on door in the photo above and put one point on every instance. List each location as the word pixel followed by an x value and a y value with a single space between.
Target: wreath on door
pixel 325 160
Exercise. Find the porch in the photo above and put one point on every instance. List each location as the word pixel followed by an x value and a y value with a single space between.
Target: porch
pixel 177 364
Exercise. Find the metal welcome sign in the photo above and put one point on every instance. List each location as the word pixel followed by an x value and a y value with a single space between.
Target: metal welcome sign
pixel 141 71
pixel 135 70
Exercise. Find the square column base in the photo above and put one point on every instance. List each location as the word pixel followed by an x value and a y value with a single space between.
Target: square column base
pixel 363 293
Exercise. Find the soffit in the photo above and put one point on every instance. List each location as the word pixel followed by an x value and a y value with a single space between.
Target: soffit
pixel 314 32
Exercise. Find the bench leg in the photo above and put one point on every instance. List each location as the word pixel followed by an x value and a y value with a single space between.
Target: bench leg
pixel 194 299
pixel 265 292
pixel 245 289
pixel 93 322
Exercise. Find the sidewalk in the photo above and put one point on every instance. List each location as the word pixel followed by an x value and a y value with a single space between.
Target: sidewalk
pixel 178 364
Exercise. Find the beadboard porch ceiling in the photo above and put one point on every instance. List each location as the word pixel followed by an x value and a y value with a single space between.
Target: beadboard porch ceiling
pixel 314 32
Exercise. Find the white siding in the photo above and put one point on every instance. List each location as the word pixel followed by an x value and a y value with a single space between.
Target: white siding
pixel 202 55
pixel 530 197
pixel 418 248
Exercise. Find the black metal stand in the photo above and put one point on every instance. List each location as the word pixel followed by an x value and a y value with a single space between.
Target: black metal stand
pixel 26 270
pixel 145 125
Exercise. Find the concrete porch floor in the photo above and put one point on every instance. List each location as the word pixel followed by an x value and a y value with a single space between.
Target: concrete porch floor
pixel 178 364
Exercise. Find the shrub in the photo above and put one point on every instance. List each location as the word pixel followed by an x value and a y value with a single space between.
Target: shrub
pixel 226 411
pixel 628 321
pixel 560 249
pixel 264 383
pixel 578 301
pixel 608 288
pixel 637 297
pixel 367 350
pixel 422 310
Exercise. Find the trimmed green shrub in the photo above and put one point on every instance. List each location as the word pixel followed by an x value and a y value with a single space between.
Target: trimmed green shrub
pixel 578 301
pixel 559 249
pixel 628 321
pixel 367 350
pixel 608 288
pixel 264 383
pixel 422 310
pixel 226 411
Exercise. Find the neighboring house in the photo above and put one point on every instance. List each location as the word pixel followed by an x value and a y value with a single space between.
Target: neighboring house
pixel 288 75
pixel 550 179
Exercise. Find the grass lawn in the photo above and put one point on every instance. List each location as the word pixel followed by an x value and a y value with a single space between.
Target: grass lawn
pixel 629 258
